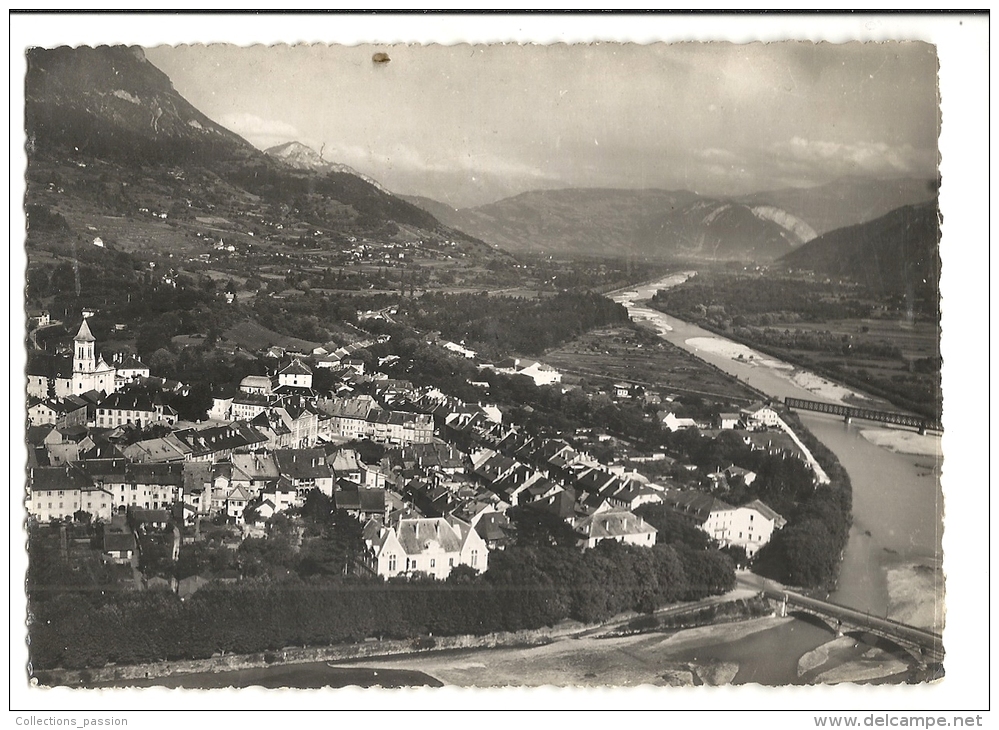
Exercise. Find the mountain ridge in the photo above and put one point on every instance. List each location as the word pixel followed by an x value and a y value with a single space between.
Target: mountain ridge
pixel 620 221
pixel 897 253
pixel 107 132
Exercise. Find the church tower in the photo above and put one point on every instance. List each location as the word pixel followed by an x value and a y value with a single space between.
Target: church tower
pixel 83 350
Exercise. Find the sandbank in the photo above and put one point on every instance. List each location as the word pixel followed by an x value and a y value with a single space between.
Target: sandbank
pixel 904 442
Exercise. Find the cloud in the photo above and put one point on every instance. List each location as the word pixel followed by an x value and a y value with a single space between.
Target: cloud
pixel 262 133
pixel 876 158
pixel 407 158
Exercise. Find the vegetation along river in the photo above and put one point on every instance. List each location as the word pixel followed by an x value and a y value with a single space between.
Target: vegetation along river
pixel 892 563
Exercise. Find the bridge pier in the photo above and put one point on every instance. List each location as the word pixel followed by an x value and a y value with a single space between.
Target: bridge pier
pixel 846 418
pixel 922 430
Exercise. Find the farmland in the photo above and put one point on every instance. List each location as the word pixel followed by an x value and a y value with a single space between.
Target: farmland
pixel 624 353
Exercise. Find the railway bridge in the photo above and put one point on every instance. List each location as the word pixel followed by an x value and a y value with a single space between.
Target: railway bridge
pixel 868 414
pixel 926 646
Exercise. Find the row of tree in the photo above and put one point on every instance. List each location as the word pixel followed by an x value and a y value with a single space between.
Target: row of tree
pixel 525 588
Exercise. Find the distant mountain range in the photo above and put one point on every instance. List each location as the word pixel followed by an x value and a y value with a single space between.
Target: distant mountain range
pixel 615 222
pixel 846 201
pixel 897 253
pixel 759 227
pixel 107 132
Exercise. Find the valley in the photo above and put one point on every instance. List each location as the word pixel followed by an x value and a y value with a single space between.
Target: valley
pixel 303 410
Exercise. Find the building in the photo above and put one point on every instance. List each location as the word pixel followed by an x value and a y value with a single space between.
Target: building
pixel 619 525
pixel 89 371
pixel 305 469
pixel 729 420
pixel 133 408
pixel 431 546
pixel 749 526
pixel 256 385
pixel 129 369
pixel 760 415
pixel 51 375
pixel 137 486
pixel 540 373
pixel 59 492
pixel 60 412
pixel 38 317
pixel 295 376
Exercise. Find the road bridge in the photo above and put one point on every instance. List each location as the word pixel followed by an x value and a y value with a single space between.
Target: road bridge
pixel 924 645
pixel 868 414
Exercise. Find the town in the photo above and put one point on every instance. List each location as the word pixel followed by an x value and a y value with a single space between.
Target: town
pixel 429 477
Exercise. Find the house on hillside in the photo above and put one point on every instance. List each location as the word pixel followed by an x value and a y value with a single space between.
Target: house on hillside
pixel 671 422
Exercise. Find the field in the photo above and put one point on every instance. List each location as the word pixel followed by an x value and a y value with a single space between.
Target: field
pixel 626 354
pixel 253 336
pixel 908 377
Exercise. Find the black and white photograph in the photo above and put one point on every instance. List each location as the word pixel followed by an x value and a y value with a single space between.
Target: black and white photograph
pixel 448 361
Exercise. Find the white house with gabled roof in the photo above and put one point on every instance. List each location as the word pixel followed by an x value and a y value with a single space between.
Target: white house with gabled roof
pixel 432 546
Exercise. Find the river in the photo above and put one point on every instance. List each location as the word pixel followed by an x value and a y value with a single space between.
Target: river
pixel 892 564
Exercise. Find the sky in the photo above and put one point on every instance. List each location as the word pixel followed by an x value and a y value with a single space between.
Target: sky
pixel 470 124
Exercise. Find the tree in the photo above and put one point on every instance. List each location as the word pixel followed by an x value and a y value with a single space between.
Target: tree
pixel 463 575
pixel 318 508
pixel 672 528
pixel 537 528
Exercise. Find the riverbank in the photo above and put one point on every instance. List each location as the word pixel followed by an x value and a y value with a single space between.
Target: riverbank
pixel 731 607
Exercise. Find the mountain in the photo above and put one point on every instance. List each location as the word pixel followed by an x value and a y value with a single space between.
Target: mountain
pixel 897 253
pixel 846 201
pixel 446 214
pixel 109 138
pixel 303 157
pixel 720 230
pixel 109 102
pixel 659 223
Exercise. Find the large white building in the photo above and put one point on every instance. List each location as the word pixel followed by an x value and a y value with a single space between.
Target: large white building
pixel 427 545
pixel 749 526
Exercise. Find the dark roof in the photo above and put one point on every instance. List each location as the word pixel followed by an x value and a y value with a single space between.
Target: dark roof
pixel 150 515
pixel 132 363
pixel 297 367
pixel 35 435
pixel 47 478
pixel 49 366
pixel 84 333
pixel 303 463
pixel 127 400
pixel 695 504
pixel 118 541
pixel 220 438
pixel 365 500
pixel 492 526
pixel 120 470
